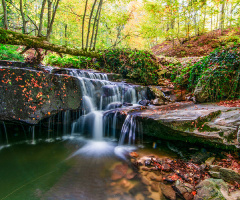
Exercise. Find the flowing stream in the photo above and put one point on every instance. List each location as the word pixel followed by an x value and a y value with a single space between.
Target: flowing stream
pixel 72 155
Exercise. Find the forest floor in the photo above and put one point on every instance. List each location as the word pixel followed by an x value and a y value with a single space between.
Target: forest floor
pixel 197 46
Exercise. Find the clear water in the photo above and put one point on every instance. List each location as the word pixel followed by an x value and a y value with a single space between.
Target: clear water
pixel 57 162
pixel 68 169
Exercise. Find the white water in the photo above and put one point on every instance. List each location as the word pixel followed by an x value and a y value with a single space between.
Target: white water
pixel 98 96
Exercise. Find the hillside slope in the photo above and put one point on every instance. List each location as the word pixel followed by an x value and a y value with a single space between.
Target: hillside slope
pixel 198 46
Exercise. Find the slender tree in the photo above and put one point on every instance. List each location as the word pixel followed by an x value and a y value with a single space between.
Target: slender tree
pixel 5 18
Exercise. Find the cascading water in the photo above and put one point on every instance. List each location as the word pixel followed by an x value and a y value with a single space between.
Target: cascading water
pixel 99 96
pixel 5 131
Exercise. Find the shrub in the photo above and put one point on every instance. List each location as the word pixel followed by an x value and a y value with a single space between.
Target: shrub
pixel 140 66
pixel 8 52
pixel 79 62
pixel 219 73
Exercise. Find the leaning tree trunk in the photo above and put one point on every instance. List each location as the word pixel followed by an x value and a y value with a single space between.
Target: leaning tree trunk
pixel 14 38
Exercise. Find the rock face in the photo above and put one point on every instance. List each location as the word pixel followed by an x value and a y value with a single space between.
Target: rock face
pixel 229 175
pixel 215 189
pixel 209 124
pixel 30 95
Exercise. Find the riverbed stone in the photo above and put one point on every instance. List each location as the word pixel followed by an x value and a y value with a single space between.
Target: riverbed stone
pixel 155 187
pixel 214 174
pixel 209 161
pixel 229 175
pixel 119 171
pixel 215 168
pixel 145 181
pixel 168 191
pixel 215 189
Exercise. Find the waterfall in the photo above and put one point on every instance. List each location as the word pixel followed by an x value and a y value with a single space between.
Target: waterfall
pixel 5 131
pixel 129 131
pixel 33 135
pixel 99 96
pixel 238 136
pixel 66 121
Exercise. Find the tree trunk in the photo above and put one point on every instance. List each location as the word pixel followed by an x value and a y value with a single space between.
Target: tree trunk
pixel 221 25
pixel 49 14
pixel 41 18
pixel 5 14
pixel 83 21
pixel 99 15
pixel 89 23
pixel 52 20
pixel 14 38
pixel 23 18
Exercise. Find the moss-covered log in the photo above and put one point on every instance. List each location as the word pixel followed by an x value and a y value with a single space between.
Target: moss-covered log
pixel 14 38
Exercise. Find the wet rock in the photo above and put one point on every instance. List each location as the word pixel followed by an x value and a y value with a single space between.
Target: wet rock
pixel 182 188
pixel 200 93
pixel 214 168
pixel 168 191
pixel 145 169
pixel 229 175
pixel 144 102
pixel 214 189
pixel 125 183
pixel 119 172
pixel 134 154
pixel 114 105
pixel 188 196
pixel 108 90
pixel 145 181
pixel 60 71
pixel 139 197
pixel 166 167
pixel 203 166
pixel 131 175
pixel 44 94
pixel 200 157
pixel 155 187
pixel 156 178
pixel 209 161
pixel 127 104
pixel 214 174
pixel 158 102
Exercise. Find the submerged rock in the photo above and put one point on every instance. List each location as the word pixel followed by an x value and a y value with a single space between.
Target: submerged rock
pixel 168 191
pixel 144 102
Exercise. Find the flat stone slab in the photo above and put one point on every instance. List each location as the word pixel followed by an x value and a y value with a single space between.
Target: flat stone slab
pixel 191 122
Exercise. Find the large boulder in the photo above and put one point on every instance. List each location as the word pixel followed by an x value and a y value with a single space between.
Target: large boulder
pixel 215 189
pixel 30 95
pixel 229 175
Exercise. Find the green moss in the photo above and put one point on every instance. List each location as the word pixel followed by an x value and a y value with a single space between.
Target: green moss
pixel 9 52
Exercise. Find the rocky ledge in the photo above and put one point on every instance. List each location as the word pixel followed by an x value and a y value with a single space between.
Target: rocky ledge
pixel 196 123
pixel 30 94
